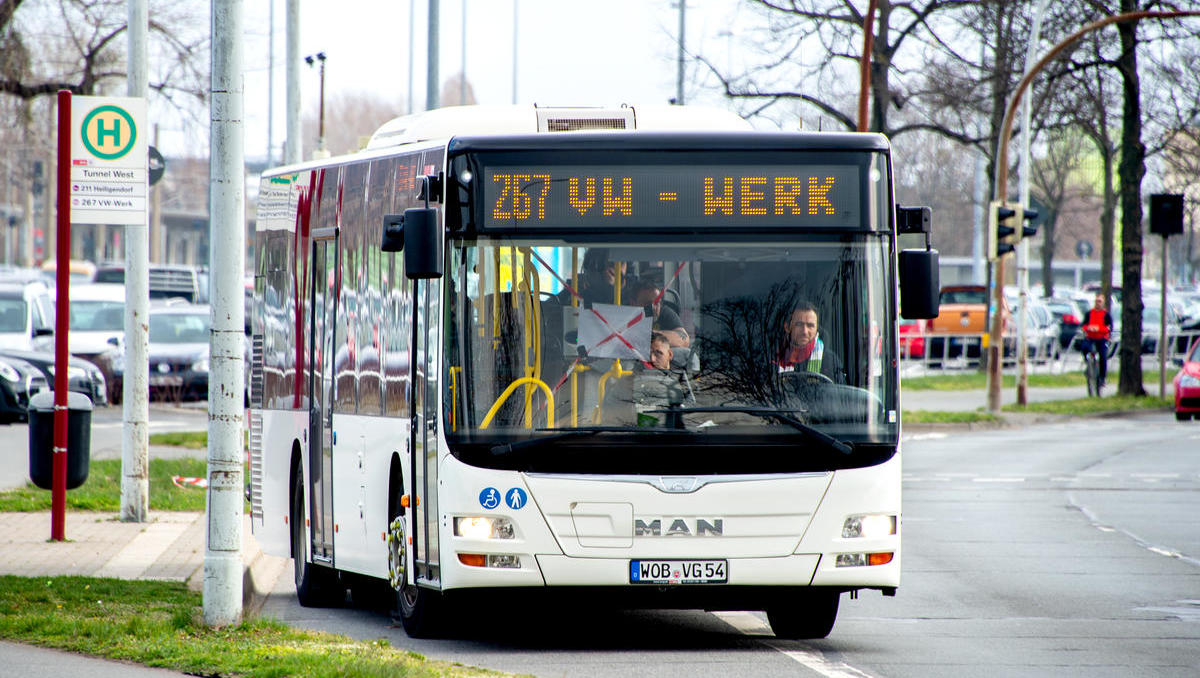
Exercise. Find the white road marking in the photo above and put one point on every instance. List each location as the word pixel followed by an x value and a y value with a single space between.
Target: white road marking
pixel 998 480
pixel 814 660
pixel 926 436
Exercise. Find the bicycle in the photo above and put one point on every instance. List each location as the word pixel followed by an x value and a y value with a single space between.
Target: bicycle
pixel 1091 368
pixel 1091 365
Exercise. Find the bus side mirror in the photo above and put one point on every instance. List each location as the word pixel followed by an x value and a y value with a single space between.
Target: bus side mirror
pixel 393 233
pixel 919 286
pixel 422 243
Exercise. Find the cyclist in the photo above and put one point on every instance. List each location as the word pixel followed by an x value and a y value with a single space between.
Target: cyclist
pixel 1097 330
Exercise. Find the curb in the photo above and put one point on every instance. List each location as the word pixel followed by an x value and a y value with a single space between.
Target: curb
pixel 259 573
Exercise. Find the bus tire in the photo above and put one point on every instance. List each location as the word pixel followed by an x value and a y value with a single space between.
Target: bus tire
pixel 419 608
pixel 316 586
pixel 805 615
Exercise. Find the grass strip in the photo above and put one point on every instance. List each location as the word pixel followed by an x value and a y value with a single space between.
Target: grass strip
pixel 1083 406
pixel 160 624
pixel 939 417
pixel 102 491
pixel 975 380
pixel 192 440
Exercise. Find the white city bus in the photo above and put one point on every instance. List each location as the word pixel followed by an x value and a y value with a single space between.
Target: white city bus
pixel 453 387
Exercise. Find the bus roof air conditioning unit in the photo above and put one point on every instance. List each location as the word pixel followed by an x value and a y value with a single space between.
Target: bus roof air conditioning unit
pixel 584 119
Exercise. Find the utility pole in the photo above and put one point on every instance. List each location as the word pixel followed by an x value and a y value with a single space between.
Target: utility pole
pixel 310 60
pixel 679 66
pixel 270 82
pixel 223 545
pixel 293 145
pixel 431 70
pixel 135 438
pixel 1023 190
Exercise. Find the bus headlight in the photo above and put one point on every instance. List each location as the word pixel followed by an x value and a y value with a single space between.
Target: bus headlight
pixel 483 527
pixel 868 526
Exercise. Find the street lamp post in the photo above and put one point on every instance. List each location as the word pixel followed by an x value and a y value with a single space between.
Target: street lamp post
pixel 310 59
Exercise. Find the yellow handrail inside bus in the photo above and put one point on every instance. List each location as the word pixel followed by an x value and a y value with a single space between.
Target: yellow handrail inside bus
pixel 615 372
pixel 454 372
pixel 496 300
pixel 578 369
pixel 487 421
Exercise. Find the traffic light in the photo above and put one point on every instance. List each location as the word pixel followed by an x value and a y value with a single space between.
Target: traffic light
pixel 1000 229
pixel 1028 228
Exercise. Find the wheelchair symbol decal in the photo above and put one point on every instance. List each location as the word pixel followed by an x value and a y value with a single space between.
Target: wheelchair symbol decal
pixel 489 498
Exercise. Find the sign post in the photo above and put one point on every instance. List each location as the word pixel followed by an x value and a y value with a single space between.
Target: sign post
pixel 109 185
pixel 58 487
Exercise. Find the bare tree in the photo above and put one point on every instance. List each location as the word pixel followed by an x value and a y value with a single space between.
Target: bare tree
pixel 350 119
pixel 1054 180
pixel 79 47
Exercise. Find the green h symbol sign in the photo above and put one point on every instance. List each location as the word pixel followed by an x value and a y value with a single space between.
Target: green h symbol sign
pixel 102 132
pixel 114 132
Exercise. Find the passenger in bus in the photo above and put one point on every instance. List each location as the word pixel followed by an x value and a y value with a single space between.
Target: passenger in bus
pixel 661 381
pixel 647 292
pixel 596 278
pixel 804 350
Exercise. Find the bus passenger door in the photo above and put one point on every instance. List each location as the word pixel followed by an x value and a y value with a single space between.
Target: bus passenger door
pixel 426 348
pixel 320 414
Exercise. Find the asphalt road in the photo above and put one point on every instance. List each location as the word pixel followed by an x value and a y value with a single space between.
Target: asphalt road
pixel 1070 549
pixel 106 431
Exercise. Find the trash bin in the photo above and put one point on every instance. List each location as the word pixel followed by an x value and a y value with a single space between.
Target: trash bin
pixel 41 439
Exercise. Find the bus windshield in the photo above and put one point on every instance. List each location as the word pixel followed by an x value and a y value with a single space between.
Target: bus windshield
pixel 681 355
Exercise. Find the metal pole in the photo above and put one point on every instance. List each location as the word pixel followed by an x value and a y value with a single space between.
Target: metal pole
pixel 516 13
pixel 321 116
pixel 270 82
pixel 293 146
pixel 135 438
pixel 431 67
pixel 1023 189
pixel 1162 326
pixel 58 488
pixel 679 67
pixel 462 79
pixel 411 20
pixel 223 554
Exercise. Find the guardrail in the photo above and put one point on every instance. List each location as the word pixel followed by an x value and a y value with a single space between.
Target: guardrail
pixel 942 350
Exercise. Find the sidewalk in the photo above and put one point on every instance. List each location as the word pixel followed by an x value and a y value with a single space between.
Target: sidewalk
pixel 168 547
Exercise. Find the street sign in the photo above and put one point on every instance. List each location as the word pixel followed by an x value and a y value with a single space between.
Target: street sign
pixel 157 165
pixel 108 160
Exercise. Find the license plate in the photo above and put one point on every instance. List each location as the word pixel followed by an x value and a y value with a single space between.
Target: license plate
pixel 678 572
pixel 168 380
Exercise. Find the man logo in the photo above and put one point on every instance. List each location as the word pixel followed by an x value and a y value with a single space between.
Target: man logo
pixel 679 527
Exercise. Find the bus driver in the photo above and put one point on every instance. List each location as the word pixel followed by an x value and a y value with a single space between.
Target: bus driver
pixel 804 351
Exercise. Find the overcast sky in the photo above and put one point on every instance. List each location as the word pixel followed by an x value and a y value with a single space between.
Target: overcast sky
pixel 570 52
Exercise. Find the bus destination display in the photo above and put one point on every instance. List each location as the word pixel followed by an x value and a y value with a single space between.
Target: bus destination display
pixel 558 196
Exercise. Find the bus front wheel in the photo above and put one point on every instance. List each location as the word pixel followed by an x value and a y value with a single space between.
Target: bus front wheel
pixel 315 585
pixel 810 614
pixel 418 608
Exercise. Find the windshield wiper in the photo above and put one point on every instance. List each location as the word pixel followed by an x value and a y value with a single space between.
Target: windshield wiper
pixel 769 413
pixel 561 434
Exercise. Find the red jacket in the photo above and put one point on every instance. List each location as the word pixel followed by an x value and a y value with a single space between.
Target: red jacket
pixel 1097 324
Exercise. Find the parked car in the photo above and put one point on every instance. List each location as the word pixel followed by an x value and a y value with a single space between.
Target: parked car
pixel 19 381
pixel 166 281
pixel 1151 326
pixel 1066 313
pixel 26 317
pixel 912 339
pixel 1187 386
pixel 82 376
pixel 97 316
pixel 178 354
